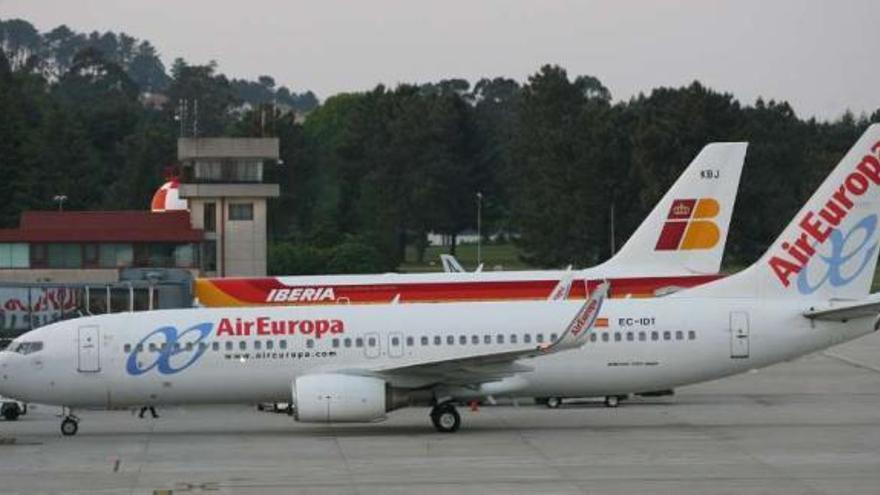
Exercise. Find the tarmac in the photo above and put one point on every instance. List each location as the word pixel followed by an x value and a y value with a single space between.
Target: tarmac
pixel 811 426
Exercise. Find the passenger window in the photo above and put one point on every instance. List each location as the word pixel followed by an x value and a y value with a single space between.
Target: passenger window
pixel 270 344
pixel 540 338
pixel 371 341
pixel 617 336
pixel 487 339
pixel 667 335
pixel 203 346
pixel 553 337
pixel 140 347
pixel 152 347
pixel 655 336
pixel 127 348
pixel 228 345
pixel 450 340
pixel 358 342
pixel 692 335
pixel 177 346
pixel 283 344
pixel 527 338
pixel 462 339
pixel 679 335
pixel 310 343
pixel 348 342
pixel 410 342
pixel 189 346
pixel 499 338
pixel 629 336
pixel 642 336
pixel 605 337
pixel 215 346
pixel 258 345
pixel 242 345
pixel 336 343
pixel 593 337
pixel 424 340
pixel 163 346
pixel 437 340
pixel 513 338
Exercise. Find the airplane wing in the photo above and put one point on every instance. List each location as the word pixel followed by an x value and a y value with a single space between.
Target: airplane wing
pixel 486 367
pixel 866 308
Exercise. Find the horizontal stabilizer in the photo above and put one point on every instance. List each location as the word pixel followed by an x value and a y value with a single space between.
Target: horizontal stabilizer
pixel 866 308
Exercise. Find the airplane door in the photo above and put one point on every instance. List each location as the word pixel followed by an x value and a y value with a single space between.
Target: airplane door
pixel 739 335
pixel 395 344
pixel 89 344
pixel 371 349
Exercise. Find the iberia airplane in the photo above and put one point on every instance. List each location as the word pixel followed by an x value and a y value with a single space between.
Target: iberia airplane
pixel 355 363
pixel 680 244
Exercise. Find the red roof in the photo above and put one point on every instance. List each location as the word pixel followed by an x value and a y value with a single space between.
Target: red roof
pixel 103 226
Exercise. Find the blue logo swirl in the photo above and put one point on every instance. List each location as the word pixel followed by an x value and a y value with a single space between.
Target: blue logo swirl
pixel 840 256
pixel 168 349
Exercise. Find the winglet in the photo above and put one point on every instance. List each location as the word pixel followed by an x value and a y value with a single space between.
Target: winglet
pixel 560 292
pixel 575 334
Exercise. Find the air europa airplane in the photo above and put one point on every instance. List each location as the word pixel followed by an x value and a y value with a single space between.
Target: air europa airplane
pixel 355 363
pixel 680 244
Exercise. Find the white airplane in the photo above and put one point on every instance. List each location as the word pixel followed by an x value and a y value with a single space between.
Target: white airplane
pixel 355 363
pixel 679 244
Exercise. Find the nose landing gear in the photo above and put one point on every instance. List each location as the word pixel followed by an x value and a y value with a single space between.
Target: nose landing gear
pixel 70 423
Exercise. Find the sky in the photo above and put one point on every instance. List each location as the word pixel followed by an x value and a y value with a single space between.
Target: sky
pixel 819 55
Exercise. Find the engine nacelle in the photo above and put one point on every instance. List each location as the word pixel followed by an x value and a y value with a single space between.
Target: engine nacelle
pixel 337 398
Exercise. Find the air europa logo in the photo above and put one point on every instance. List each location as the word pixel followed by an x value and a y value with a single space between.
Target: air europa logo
pixel 175 350
pixel 816 228
pixel 690 226
pixel 264 325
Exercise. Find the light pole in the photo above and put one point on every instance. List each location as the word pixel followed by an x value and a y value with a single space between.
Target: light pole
pixel 60 199
pixel 479 228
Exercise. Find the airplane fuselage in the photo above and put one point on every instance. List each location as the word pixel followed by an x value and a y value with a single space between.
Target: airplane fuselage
pixel 247 355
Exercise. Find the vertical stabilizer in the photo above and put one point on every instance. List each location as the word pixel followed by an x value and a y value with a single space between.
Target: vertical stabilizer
pixel 686 232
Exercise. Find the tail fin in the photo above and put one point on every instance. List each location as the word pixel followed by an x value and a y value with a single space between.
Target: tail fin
pixel 687 230
pixel 451 264
pixel 829 250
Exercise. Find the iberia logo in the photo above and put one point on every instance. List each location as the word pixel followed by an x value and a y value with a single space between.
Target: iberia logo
pixel 690 226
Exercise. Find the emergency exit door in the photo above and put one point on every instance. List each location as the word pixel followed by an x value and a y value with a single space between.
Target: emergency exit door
pixel 89 345
pixel 739 335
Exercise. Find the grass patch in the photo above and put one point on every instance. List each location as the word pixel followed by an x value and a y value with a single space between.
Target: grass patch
pixel 494 257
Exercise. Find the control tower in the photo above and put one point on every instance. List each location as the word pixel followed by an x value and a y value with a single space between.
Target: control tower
pixel 222 180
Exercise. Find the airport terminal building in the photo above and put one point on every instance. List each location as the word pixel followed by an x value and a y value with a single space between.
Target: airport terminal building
pixel 209 221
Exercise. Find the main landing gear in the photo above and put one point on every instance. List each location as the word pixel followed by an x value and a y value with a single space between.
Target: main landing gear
pixel 445 418
pixel 70 423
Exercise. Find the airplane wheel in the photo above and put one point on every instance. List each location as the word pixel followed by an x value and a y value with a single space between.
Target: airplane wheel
pixel 69 427
pixel 612 401
pixel 554 402
pixel 445 418
pixel 11 413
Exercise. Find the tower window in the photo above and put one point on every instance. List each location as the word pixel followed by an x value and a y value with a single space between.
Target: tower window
pixel 241 211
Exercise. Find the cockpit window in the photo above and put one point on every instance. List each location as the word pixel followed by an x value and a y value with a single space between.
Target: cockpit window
pixel 26 348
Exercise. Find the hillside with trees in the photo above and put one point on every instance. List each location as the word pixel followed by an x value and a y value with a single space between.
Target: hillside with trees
pixel 367 175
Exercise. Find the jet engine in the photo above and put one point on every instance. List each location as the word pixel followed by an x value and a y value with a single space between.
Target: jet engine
pixel 328 398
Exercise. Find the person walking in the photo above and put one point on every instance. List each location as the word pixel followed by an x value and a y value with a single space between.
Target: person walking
pixel 152 411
